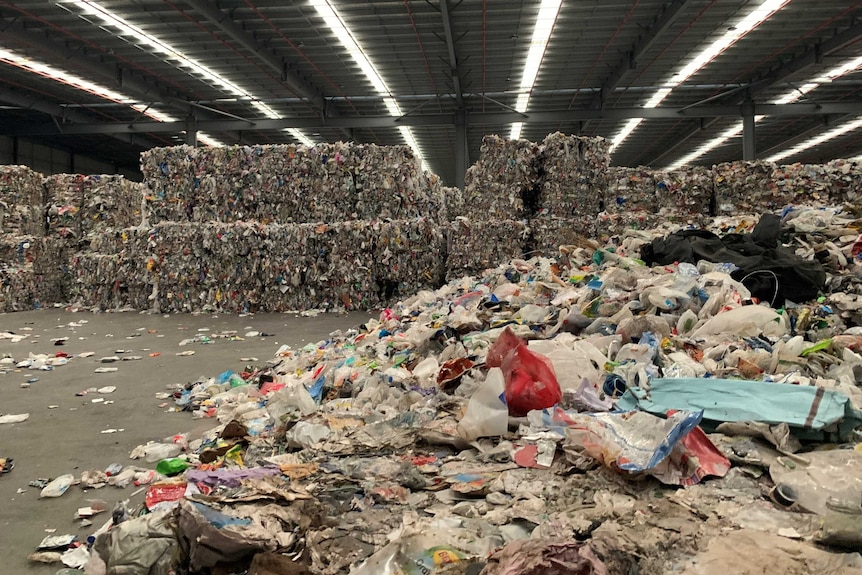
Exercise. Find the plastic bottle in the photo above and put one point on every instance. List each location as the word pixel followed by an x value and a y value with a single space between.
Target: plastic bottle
pixel 113 469
pixel 172 466
pixel 58 487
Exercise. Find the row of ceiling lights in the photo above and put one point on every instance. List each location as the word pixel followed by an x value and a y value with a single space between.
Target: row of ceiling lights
pixel 540 38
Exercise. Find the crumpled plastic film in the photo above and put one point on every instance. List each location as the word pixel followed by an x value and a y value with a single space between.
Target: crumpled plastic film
pixel 613 224
pixel 475 245
pixel 408 257
pixel 574 175
pixel 547 233
pixel 745 187
pixel 630 189
pixel 687 190
pixel 21 201
pixel 496 185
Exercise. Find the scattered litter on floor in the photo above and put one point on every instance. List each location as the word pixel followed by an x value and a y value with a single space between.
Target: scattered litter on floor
pixel 582 413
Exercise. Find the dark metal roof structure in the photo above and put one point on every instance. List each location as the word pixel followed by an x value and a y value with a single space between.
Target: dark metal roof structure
pixel 452 66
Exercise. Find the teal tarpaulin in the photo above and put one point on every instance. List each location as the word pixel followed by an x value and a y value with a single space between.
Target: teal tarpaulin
pixel 806 407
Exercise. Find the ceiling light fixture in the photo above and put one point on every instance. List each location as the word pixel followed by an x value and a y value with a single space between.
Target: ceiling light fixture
pixel 756 17
pixel 789 97
pixel 64 77
pixel 348 41
pixel 146 41
pixel 545 21
pixel 845 128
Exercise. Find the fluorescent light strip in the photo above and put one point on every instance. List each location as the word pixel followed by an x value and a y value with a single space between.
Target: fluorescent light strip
pixel 545 21
pixel 138 37
pixel 817 140
pixel 704 57
pixel 63 77
pixel 345 36
pixel 793 95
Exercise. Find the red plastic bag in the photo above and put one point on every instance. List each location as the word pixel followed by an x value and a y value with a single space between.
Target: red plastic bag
pixel 506 343
pixel 530 379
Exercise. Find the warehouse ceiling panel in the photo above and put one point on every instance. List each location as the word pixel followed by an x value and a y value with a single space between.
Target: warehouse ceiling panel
pixel 666 81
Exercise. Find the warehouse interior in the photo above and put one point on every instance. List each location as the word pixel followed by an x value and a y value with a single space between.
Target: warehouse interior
pixel 660 80
pixel 402 287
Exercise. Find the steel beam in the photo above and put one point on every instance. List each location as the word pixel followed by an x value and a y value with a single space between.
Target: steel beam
pixel 644 42
pixel 783 71
pixel 749 152
pixel 455 72
pixel 109 72
pixel 811 56
pixel 546 117
pixel 460 147
pixel 58 112
pixel 238 34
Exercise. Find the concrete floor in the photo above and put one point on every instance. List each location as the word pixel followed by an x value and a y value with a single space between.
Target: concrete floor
pixel 68 438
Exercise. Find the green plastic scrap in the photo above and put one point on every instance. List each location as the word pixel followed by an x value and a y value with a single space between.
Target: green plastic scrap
pixel 822 345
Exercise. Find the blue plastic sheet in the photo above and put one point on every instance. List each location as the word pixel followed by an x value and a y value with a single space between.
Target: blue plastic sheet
pixel 806 407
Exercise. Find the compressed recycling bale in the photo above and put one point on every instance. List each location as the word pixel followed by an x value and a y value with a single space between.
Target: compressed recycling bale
pixel 548 233
pixel 17 288
pixel 801 183
pixel 103 282
pixel 574 175
pixel 408 257
pixel 170 180
pixel 503 178
pixel 688 190
pixel 21 201
pixel 22 251
pixel 64 194
pixel 845 179
pixel 109 201
pixel 348 280
pixel 631 189
pixel 451 204
pixel 746 187
pixel 476 245
pixel 285 183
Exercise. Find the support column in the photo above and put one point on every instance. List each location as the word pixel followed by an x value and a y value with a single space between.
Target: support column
pixel 192 137
pixel 749 153
pixel 460 147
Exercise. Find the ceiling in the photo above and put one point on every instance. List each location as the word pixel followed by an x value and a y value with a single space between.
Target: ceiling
pixel 604 60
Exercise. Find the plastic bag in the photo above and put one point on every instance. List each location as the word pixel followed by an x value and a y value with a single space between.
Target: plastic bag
pixel 487 414
pixel 57 487
pixel 506 343
pixel 530 381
